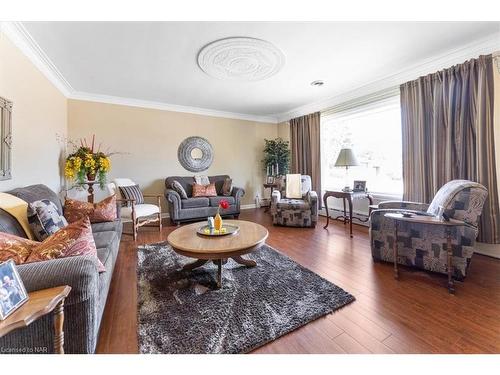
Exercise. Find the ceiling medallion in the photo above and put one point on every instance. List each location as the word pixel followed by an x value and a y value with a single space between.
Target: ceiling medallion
pixel 241 59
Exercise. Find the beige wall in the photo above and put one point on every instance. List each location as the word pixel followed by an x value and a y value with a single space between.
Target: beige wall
pixel 39 113
pixel 284 130
pixel 151 138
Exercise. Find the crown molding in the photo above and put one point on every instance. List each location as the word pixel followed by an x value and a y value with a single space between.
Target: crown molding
pixel 18 34
pixel 430 65
pixel 22 39
pixel 109 99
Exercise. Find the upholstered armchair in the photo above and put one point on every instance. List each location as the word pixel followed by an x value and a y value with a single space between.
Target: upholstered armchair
pixel 139 213
pixel 292 212
pixel 424 245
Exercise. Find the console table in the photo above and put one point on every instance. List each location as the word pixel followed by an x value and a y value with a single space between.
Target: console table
pixel 348 196
pixel 271 186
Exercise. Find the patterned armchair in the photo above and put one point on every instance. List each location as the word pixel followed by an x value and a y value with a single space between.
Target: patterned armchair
pixel 424 245
pixel 295 212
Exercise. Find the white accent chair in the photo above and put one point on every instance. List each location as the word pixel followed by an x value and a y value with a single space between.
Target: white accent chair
pixel 139 214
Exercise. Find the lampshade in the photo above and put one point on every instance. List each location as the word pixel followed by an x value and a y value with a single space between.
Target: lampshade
pixel 346 158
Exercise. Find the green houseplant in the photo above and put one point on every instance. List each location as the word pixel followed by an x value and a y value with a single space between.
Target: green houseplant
pixel 276 157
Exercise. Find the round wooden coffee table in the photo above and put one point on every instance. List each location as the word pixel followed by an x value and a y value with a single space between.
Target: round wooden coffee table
pixel 185 241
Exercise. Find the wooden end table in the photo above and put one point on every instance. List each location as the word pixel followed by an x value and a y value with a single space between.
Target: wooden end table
pixel 348 196
pixel 423 219
pixel 185 241
pixel 40 303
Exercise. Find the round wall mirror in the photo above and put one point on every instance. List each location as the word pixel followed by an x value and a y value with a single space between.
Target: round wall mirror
pixel 195 154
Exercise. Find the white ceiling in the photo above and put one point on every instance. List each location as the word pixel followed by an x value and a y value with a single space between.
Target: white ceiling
pixel 156 61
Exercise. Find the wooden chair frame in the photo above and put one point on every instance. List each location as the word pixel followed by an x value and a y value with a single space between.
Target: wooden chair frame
pixel 140 221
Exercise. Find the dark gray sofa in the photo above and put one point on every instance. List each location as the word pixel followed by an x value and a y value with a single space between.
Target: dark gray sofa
pixel 202 207
pixel 84 306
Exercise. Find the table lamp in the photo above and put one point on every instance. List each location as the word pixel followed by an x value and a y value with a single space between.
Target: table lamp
pixel 346 159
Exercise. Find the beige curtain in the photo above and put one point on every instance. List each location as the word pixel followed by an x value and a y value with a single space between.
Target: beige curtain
pixel 305 145
pixel 447 126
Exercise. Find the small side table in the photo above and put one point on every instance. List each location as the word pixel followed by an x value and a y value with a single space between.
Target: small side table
pixel 40 303
pixel 348 196
pixel 427 220
pixel 272 187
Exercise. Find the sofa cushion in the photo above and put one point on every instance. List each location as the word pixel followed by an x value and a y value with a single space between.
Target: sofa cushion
pixel 214 201
pixel 141 210
pixel 292 204
pixel 195 202
pixel 103 239
pixel 107 226
pixel 45 218
pixel 103 253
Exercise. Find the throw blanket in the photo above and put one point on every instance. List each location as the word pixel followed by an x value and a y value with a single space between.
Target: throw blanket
pixel 293 186
pixel 19 209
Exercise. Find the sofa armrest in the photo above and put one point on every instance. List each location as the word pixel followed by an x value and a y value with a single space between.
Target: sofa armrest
pixel 312 198
pixel 79 272
pixel 275 197
pixel 237 193
pixel 174 200
pixel 403 205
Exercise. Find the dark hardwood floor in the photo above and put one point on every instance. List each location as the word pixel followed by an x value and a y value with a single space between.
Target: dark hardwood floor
pixel 413 315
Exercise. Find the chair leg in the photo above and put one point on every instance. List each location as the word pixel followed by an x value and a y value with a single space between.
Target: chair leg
pixel 159 221
pixel 135 230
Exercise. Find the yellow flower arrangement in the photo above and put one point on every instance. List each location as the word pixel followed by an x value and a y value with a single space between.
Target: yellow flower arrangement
pixel 85 164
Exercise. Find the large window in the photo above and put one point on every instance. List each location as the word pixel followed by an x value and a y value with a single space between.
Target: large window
pixel 373 131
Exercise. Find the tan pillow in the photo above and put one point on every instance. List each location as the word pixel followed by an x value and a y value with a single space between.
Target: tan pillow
pixel 204 190
pixel 227 187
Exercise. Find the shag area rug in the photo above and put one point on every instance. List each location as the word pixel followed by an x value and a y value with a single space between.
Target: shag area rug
pixel 183 312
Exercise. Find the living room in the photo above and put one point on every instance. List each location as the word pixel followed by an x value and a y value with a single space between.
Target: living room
pixel 209 185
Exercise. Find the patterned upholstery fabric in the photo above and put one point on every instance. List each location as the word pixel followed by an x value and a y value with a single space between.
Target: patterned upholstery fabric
pixel 45 218
pixel 102 211
pixel 204 190
pixel 296 212
pixel 16 248
pixel 132 192
pixel 75 239
pixel 424 245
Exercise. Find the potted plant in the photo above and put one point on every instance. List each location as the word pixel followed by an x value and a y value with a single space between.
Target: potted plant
pixel 86 164
pixel 276 157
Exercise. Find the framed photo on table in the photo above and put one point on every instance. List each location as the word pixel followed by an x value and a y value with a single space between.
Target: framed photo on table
pixel 359 186
pixel 12 291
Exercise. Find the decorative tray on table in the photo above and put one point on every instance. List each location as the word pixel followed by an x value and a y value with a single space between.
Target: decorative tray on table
pixel 226 229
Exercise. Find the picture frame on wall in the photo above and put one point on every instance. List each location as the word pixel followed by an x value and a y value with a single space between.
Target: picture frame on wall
pixel 12 291
pixel 359 186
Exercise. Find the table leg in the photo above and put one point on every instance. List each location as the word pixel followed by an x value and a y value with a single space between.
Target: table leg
pixel 345 214
pixel 58 328
pixel 195 264
pixel 350 216
pixel 451 285
pixel 395 249
pixel 325 202
pixel 246 262
pixel 219 273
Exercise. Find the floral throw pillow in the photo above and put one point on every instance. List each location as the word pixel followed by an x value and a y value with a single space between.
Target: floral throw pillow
pixel 16 248
pixel 204 190
pixel 100 212
pixel 176 186
pixel 45 218
pixel 75 239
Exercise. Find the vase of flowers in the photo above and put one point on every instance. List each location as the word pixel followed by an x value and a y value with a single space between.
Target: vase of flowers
pixel 87 164
pixel 218 219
